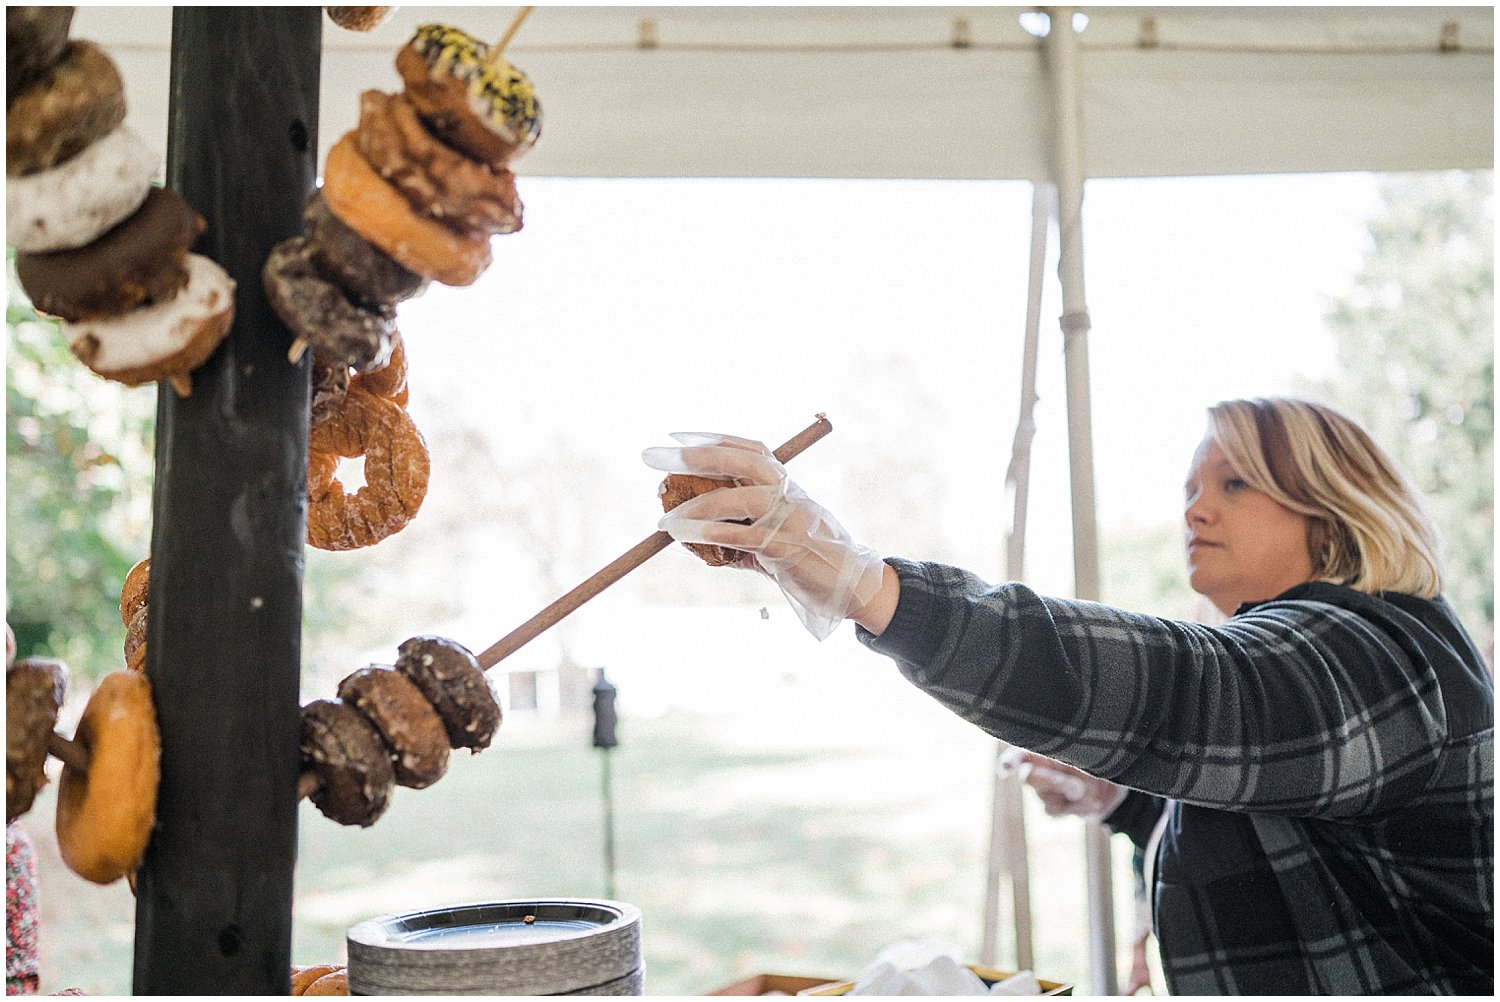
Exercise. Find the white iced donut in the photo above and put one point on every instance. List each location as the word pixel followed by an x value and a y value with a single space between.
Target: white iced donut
pixel 163 340
pixel 80 199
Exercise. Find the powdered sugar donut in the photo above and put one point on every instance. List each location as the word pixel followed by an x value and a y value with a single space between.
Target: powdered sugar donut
pixel 75 202
pixel 164 340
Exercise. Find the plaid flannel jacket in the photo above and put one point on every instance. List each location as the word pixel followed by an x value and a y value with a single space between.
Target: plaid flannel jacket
pixel 1325 759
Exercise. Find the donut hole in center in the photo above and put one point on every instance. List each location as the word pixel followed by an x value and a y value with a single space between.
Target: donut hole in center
pixel 351 473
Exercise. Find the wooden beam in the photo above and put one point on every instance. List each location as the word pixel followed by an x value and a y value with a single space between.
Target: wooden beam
pixel 214 896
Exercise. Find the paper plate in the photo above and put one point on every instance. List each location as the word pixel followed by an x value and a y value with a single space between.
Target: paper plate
pixel 526 947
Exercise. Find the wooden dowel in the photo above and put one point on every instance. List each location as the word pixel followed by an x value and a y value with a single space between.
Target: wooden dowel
pixel 70 752
pixel 510 33
pixel 620 566
pixel 596 583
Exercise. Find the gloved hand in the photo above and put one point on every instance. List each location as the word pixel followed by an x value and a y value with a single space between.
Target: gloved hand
pixel 824 574
pixel 1063 789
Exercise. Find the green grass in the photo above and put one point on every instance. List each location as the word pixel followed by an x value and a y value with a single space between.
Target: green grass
pixel 769 840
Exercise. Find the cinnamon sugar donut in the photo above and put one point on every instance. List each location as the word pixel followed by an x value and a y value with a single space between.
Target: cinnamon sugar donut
pixel 396 472
pixel 136 590
pixel 438 181
pixel 377 211
pixel 389 382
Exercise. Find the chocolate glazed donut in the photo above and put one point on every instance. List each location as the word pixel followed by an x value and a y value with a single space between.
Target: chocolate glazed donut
pixel 142 260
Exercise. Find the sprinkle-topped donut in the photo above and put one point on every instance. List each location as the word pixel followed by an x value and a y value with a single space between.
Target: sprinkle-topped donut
pixel 484 106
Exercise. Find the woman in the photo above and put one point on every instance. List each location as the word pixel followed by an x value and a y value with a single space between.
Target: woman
pixel 1324 758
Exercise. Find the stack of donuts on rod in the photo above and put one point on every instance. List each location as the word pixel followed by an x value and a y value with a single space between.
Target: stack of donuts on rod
pixel 106 798
pixel 98 245
pixel 412 195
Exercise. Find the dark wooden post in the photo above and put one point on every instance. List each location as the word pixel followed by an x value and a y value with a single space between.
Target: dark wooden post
pixel 214 896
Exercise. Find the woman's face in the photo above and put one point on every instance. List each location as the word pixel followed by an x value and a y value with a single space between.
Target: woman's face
pixel 1242 546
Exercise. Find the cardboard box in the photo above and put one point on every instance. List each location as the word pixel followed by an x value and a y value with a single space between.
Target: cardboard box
pixel 987 974
pixel 772 984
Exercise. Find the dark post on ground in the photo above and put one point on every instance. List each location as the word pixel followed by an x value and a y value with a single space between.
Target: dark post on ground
pixel 214 896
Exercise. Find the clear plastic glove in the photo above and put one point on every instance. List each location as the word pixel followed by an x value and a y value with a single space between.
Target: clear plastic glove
pixel 822 571
pixel 1063 789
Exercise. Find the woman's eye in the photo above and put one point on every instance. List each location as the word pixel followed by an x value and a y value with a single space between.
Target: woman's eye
pixel 1235 484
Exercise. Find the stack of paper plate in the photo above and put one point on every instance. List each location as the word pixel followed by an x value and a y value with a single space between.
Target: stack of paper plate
pixel 542 947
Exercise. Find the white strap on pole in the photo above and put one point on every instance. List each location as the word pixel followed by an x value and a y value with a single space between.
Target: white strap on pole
pixel 1008 863
pixel 1061 50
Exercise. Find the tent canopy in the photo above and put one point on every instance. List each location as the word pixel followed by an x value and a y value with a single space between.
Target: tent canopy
pixel 934 92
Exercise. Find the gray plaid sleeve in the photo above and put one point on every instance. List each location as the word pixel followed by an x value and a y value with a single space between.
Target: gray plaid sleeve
pixel 1294 707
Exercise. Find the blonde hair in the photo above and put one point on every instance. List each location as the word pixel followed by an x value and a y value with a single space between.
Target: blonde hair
pixel 1367 527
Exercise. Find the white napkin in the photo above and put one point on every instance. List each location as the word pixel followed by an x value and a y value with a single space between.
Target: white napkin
pixel 940 976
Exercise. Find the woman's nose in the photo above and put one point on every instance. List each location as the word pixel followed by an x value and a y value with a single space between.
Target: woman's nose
pixel 1195 512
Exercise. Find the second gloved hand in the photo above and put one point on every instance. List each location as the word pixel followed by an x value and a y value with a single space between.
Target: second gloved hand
pixel 1062 789
pixel 822 571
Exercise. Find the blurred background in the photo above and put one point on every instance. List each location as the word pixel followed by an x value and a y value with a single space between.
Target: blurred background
pixel 779 804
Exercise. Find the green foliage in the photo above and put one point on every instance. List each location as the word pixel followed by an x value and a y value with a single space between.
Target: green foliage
pixel 78 494
pixel 1416 351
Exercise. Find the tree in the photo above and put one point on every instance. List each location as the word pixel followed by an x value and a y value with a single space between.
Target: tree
pixel 78 494
pixel 1415 342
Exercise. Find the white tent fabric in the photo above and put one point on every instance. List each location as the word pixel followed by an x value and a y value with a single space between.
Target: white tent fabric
pixel 935 92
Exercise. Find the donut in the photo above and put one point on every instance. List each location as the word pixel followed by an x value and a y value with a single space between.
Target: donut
pixel 136 590
pixel 330 381
pixel 334 983
pixel 142 260
pixel 377 212
pixel 353 767
pixel 454 684
pixel 435 179
pixel 304 976
pixel 81 198
pixel 679 487
pixel 162 340
pixel 365 272
pixel 34 689
pixel 35 38
pixel 79 100
pixel 358 18
pixel 135 641
pixel 389 382
pixel 485 107
pixel 317 311
pixel 396 472
pixel 410 727
pixel 104 815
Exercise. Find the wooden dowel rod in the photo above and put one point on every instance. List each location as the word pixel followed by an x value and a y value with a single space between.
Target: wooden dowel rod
pixel 620 566
pixel 70 752
pixel 510 33
pixel 600 580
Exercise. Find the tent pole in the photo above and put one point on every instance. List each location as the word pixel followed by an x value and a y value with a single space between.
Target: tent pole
pixel 1008 853
pixel 1061 50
